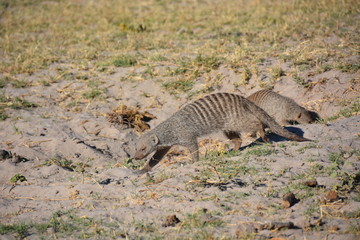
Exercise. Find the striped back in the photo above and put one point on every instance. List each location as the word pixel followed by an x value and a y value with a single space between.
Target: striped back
pixel 214 110
pixel 261 96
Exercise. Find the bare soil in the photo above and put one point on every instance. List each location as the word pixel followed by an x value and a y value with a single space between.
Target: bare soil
pixel 75 165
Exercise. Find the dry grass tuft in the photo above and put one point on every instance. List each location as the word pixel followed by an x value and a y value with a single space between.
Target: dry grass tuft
pixel 131 117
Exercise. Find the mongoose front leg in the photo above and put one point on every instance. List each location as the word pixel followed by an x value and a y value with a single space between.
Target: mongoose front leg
pixel 154 160
pixel 235 139
pixel 194 150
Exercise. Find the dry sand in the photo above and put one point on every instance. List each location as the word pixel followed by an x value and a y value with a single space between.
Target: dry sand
pixel 97 186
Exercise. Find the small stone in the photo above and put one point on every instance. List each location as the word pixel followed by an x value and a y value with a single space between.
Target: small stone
pixel 331 196
pixel 333 229
pixel 289 200
pixel 4 154
pixel 171 221
pixel 18 159
pixel 105 181
pixel 311 183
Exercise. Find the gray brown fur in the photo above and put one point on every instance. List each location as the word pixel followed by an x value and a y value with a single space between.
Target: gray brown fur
pixel 283 109
pixel 230 113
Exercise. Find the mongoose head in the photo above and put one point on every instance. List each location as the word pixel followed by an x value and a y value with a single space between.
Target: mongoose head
pixel 146 145
pixel 304 117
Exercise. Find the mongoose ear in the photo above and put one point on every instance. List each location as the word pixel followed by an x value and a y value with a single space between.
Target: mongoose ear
pixel 154 139
pixel 299 116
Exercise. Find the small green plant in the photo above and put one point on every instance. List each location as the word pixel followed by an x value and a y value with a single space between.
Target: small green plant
pixel 276 73
pixel 124 61
pixel 302 82
pixel 158 58
pixel 207 63
pixel 21 229
pixel 21 103
pixel 15 103
pixel 18 178
pixel 308 146
pixel 157 179
pixel 324 68
pixel 3 82
pixel 145 227
pixel 349 67
pixel 93 93
pixel 202 219
pixel 61 162
pixel 3 115
pixel 221 170
pixel 260 151
pixel 313 210
pixel 17 83
pixel 178 86
pixel 132 163
pixel 245 76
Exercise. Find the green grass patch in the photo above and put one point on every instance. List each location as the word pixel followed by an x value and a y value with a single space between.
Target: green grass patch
pixel 276 73
pixel 178 86
pixel 14 103
pixel 300 81
pixel 93 93
pixel 349 67
pixel 18 83
pixel 124 61
pixel 308 146
pixel 3 82
pixel 64 224
pixel 36 34
pixel 260 151
pixel 349 111
pixel 21 229
pixel 202 219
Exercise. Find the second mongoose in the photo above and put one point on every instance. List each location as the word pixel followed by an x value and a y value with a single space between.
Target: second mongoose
pixel 230 113
pixel 283 109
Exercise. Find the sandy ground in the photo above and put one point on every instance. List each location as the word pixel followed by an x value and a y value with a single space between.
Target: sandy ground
pixel 98 185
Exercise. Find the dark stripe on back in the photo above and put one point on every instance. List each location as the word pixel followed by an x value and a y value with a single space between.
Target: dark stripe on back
pixel 216 101
pixel 196 113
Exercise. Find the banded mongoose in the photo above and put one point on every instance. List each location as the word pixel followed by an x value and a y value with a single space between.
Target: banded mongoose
pixel 283 109
pixel 230 113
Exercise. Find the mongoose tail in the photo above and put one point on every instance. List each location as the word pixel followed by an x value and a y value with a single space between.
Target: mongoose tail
pixel 272 124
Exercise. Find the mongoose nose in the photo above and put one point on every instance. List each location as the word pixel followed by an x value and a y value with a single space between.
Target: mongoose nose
pixel 139 156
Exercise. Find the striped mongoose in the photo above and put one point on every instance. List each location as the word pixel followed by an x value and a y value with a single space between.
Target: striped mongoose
pixel 283 109
pixel 230 113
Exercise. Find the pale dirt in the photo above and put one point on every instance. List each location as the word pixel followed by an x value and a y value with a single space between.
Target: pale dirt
pixel 50 131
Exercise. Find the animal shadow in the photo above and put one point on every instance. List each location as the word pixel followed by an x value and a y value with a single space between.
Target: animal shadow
pixel 273 137
pixel 277 138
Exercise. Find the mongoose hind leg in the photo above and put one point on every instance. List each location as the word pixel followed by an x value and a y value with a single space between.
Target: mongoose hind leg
pixel 235 138
pixel 154 160
pixel 262 135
